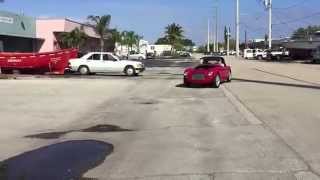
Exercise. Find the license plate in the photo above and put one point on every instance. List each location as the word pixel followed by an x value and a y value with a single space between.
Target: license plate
pixel 198 77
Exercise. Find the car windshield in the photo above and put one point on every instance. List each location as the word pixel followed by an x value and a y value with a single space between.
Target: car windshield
pixel 213 60
pixel 206 66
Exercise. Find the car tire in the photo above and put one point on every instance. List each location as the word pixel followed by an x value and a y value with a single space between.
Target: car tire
pixel 84 70
pixel 186 83
pixel 217 81
pixel 140 58
pixel 278 58
pixel 229 77
pixel 259 57
pixel 130 71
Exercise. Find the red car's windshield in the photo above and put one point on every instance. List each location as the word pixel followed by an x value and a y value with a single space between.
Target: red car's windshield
pixel 207 66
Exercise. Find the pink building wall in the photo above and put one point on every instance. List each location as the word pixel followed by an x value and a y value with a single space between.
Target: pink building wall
pixel 45 31
pixel 47 27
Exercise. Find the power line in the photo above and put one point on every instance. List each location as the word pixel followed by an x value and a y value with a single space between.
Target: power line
pixel 298 19
pixel 292 6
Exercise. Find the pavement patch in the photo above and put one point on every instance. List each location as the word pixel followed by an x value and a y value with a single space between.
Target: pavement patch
pixel 66 160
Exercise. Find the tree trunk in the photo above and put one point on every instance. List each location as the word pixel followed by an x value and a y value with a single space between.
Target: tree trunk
pixel 101 45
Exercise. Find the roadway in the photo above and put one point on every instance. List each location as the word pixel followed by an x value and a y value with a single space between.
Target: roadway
pixel 264 125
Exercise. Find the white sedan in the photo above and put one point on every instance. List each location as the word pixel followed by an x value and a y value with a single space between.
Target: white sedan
pixel 104 62
pixel 137 56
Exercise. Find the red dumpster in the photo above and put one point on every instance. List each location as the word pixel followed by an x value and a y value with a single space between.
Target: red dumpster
pixel 49 62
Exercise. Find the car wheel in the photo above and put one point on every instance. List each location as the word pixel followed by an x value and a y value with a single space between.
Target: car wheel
pixel 259 57
pixel 186 83
pixel 217 81
pixel 130 71
pixel 278 58
pixel 229 77
pixel 140 58
pixel 84 70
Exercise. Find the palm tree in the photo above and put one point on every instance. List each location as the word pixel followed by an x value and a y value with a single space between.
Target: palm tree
pixel 74 39
pixel 137 41
pixel 174 34
pixel 131 39
pixel 101 25
pixel 116 36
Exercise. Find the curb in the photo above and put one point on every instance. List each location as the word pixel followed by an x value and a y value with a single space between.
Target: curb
pixel 241 107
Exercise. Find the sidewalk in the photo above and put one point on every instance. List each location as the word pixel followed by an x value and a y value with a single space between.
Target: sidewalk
pixel 285 97
pixel 304 73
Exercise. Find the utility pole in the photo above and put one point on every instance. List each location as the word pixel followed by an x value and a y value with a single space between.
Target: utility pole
pixel 228 42
pixel 270 23
pixel 208 45
pixel 237 28
pixel 212 41
pixel 245 41
pixel 268 4
pixel 217 40
pixel 1 1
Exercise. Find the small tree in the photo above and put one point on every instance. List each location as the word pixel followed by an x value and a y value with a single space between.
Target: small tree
pixel 74 39
pixel 174 35
pixel 266 39
pixel 226 34
pixel 162 40
pixel 305 33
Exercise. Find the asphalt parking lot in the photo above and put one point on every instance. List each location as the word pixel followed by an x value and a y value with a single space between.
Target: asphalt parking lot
pixel 162 130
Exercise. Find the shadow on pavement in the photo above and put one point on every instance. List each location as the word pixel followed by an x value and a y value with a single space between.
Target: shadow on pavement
pixel 194 86
pixel 101 128
pixel 278 83
pixel 66 160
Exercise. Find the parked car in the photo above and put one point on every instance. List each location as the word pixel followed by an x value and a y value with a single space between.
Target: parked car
pixel 138 56
pixel 212 71
pixel 232 53
pixel 278 54
pixel 102 62
pixel 248 53
pixel 259 54
pixel 184 54
pixel 151 55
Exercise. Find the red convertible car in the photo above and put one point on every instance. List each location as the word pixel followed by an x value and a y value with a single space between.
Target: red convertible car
pixel 212 71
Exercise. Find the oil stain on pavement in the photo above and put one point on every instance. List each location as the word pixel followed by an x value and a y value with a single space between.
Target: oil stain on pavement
pixel 102 128
pixel 105 129
pixel 63 161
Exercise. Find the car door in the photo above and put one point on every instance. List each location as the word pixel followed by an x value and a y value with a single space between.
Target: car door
pixel 110 63
pixel 94 62
pixel 223 71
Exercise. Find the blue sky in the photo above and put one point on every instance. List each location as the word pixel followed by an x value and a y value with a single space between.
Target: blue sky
pixel 149 17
